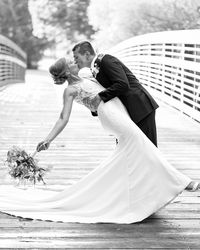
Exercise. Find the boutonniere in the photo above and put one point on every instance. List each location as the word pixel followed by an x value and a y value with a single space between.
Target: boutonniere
pixel 97 63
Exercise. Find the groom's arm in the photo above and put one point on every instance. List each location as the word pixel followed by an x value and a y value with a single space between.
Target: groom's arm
pixel 114 71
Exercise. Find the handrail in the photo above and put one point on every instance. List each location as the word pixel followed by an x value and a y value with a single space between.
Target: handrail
pixel 168 64
pixel 12 62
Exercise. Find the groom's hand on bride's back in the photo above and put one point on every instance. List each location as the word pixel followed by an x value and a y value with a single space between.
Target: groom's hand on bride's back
pixel 94 113
pixel 44 145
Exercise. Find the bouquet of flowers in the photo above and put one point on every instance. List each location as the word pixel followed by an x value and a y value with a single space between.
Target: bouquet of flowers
pixel 24 167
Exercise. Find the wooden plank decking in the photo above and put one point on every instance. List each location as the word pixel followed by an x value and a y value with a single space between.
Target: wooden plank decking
pixel 27 113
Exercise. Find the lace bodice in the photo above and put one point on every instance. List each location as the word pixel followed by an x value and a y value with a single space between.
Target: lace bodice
pixel 87 90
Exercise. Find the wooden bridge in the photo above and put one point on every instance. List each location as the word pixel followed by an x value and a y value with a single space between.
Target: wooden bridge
pixel 28 111
pixel 168 65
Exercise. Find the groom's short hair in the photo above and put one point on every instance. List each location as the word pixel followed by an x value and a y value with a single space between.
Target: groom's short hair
pixel 84 46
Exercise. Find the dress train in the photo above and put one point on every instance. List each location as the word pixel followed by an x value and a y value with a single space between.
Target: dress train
pixel 134 182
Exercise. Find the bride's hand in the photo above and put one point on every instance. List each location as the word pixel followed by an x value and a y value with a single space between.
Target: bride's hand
pixel 44 145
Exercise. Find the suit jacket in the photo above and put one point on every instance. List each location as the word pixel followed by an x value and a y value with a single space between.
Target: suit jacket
pixel 120 82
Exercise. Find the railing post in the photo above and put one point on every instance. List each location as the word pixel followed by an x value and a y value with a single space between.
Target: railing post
pixel 163 70
pixel 182 80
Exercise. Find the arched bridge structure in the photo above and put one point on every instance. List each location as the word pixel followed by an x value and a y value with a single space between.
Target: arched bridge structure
pixel 168 64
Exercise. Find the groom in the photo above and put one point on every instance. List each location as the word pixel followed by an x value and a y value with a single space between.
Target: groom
pixel 120 82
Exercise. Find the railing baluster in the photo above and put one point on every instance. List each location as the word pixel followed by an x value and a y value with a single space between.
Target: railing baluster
pixel 12 62
pixel 171 60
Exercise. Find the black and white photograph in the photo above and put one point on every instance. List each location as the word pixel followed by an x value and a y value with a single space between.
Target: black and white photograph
pixel 99 124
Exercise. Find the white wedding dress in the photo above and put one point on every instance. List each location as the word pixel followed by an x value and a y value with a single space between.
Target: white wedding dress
pixel 134 182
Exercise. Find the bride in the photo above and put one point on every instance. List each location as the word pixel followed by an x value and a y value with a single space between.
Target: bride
pixel 134 182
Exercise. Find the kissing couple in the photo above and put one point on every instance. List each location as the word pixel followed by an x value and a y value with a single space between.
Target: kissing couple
pixel 136 180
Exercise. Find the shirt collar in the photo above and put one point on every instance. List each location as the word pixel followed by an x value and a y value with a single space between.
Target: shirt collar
pixel 92 63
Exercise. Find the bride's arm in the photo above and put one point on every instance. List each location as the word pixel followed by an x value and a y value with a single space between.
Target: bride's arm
pixel 68 97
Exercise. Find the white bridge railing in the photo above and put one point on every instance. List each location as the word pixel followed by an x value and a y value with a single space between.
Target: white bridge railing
pixel 12 62
pixel 168 64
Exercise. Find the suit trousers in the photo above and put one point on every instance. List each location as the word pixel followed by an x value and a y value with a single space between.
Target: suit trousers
pixel 148 126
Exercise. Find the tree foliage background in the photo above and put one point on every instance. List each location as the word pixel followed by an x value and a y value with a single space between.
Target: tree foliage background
pixel 16 24
pixel 63 21
pixel 36 25
pixel 117 20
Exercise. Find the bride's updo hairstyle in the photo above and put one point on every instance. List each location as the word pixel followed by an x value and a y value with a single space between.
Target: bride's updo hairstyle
pixel 60 71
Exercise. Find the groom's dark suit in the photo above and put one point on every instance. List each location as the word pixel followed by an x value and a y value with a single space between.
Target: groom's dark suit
pixel 119 81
